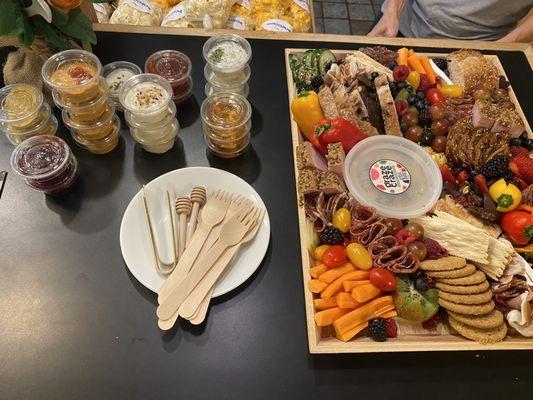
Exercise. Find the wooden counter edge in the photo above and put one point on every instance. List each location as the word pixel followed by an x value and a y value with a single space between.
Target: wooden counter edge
pixel 371 40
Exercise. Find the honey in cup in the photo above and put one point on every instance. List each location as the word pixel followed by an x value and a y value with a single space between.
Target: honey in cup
pixel 226 122
pixel 74 74
pixel 21 107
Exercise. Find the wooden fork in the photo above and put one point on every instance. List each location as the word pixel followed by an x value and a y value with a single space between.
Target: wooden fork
pixel 212 214
pixel 203 291
pixel 231 233
pixel 217 270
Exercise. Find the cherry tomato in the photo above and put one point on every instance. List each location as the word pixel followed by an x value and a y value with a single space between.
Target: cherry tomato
pixel 418 249
pixel 415 229
pixel 358 256
pixel 382 279
pixel 393 225
pixel 435 96
pixel 319 251
pixel 452 90
pixel 342 220
pixel 335 256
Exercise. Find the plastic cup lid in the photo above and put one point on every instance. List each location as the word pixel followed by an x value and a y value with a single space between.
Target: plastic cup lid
pixel 393 175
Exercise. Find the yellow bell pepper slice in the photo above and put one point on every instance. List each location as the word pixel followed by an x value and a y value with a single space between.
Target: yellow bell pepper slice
pixel 306 111
pixel 507 196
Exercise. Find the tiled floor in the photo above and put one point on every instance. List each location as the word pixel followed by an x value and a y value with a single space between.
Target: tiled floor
pixel 345 17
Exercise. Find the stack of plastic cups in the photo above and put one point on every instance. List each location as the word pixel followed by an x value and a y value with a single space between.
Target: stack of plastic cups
pixel 24 113
pixel 116 74
pixel 176 68
pixel 150 112
pixel 226 114
pixel 227 76
pixel 79 89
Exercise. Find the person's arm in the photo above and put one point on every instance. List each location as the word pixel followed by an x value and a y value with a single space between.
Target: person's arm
pixel 389 24
pixel 522 33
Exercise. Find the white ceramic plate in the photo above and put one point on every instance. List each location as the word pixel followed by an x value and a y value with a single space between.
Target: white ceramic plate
pixel 135 243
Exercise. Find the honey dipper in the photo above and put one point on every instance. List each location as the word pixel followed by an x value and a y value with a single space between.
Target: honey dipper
pixel 183 209
pixel 198 198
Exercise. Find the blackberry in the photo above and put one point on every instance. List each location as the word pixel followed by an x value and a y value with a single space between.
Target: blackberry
pixel 495 167
pixel 332 235
pixel 378 329
pixel 427 137
pixel 424 117
pixel 442 63
pixel 317 81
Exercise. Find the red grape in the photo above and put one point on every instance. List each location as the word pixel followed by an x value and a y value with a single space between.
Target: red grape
pixel 437 111
pixel 414 133
pixel 440 127
pixel 410 119
pixel 439 144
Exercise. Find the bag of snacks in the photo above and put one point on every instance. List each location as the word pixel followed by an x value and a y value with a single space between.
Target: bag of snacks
pixel 103 11
pixel 299 13
pixel 138 12
pixel 218 11
pixel 241 16
pixel 272 22
pixel 176 17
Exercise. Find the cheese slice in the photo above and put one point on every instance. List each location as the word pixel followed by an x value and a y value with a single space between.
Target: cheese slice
pixel 500 254
pixel 458 237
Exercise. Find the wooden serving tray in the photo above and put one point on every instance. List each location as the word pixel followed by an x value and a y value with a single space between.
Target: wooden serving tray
pixel 322 343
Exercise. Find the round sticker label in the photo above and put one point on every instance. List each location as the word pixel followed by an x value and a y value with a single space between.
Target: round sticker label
pixel 389 176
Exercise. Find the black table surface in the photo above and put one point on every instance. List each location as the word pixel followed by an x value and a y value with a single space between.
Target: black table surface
pixel 75 324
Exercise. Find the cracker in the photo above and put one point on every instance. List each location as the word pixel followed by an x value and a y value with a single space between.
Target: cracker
pixel 468 269
pixel 468 309
pixel 474 279
pixel 443 264
pixel 487 321
pixel 479 298
pixel 479 335
pixel 463 289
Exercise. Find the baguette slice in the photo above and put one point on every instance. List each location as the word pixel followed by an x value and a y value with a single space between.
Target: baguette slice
pixel 388 109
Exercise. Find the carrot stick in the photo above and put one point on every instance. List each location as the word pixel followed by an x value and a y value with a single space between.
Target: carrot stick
pixel 364 313
pixel 364 293
pixel 345 300
pixel 333 273
pixel 336 285
pixel 415 64
pixel 321 304
pixel 317 270
pixel 358 328
pixel 316 286
pixel 329 316
pixel 403 53
pixel 427 67
pixel 349 285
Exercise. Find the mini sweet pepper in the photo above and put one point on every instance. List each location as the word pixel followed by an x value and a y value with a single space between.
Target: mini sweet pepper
pixel 507 196
pixel 307 112
pixel 336 130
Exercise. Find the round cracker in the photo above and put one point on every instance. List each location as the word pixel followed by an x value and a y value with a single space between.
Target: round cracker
pixel 468 309
pixel 478 298
pixel 468 269
pixel 443 264
pixel 479 335
pixel 466 289
pixel 491 320
pixel 474 279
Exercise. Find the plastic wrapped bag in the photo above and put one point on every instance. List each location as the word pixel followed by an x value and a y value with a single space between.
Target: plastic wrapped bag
pixel 241 16
pixel 218 11
pixel 270 21
pixel 138 12
pixel 103 11
pixel 299 13
pixel 176 17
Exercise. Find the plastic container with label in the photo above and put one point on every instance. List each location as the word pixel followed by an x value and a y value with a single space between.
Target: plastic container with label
pixel 393 175
pixel 46 163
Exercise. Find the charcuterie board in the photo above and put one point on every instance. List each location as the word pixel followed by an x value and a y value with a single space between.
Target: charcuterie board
pixel 323 340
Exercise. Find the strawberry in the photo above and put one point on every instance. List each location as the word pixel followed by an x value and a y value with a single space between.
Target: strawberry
pixel 518 151
pixel 392 328
pixel 525 168
pixel 447 175
pixel 462 176
pixel 481 183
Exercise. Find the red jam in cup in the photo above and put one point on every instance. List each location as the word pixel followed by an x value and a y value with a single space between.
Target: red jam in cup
pixel 46 163
pixel 176 68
